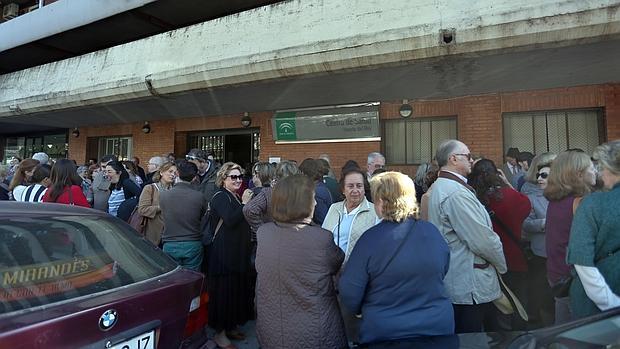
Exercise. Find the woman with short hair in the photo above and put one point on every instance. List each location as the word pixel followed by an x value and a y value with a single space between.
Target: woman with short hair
pixel 571 177
pixel 394 276
pixel 65 187
pixel 539 300
pixel 296 262
pixel 230 301
pixel 148 204
pixel 594 243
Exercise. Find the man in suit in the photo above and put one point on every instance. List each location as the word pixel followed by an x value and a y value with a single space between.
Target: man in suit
pixel 511 167
pixel 475 249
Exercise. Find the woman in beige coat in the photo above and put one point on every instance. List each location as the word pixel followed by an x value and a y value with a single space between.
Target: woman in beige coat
pixel 148 206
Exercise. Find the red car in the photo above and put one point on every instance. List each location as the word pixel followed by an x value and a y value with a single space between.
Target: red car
pixel 78 278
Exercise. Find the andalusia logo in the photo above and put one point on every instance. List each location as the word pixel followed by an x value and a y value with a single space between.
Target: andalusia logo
pixel 286 129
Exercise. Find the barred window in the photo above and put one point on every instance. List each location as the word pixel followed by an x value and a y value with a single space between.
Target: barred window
pixel 554 131
pixel 414 141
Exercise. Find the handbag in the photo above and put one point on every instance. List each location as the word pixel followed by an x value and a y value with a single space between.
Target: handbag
pixel 138 221
pixel 508 302
pixel 209 229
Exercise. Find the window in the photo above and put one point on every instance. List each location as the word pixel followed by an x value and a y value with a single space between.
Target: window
pixel 120 146
pixel 46 259
pixel 415 141
pixel 555 131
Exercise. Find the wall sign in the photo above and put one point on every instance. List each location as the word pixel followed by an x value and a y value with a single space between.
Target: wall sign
pixel 334 124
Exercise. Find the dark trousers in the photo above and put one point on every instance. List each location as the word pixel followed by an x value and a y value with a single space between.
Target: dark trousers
pixel 468 317
pixel 540 305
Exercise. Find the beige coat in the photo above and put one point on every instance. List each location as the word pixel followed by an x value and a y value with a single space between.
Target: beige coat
pixel 148 207
pixel 365 219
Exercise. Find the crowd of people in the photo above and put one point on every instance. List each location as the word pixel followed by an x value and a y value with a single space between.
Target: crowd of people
pixel 375 257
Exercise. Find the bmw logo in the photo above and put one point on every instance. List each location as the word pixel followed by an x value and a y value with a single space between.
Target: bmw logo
pixel 108 320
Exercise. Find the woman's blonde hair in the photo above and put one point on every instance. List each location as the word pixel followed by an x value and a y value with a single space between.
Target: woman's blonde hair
pixel 223 172
pixel 397 192
pixel 539 161
pixel 163 168
pixel 566 176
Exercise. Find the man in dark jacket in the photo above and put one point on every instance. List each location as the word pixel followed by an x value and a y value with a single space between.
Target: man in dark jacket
pixel 205 180
pixel 182 208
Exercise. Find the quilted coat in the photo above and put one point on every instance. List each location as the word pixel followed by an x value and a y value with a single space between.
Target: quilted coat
pixel 295 295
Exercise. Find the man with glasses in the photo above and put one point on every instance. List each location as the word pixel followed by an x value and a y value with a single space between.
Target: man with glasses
pixel 375 161
pixel 205 180
pixel 101 184
pixel 475 249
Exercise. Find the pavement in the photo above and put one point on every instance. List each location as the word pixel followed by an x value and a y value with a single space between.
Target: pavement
pixel 250 341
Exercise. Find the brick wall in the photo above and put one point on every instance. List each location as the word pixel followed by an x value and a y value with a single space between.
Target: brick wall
pixel 479 120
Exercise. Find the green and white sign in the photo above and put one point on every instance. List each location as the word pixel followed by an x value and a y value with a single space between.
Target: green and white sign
pixel 327 124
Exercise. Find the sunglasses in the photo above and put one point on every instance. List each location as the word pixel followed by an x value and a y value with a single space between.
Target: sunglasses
pixel 192 157
pixel 235 177
pixel 542 175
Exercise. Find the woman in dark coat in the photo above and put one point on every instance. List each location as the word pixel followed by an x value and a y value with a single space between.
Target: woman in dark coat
pixel 296 261
pixel 230 299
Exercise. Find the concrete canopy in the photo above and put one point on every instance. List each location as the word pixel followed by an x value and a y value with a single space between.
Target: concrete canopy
pixel 517 52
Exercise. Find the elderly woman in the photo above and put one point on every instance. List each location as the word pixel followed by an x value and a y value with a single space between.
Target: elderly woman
pixel 571 177
pixel 394 276
pixel 539 298
pixel 229 257
pixel 595 240
pixel 348 219
pixel 296 261
pixel 148 205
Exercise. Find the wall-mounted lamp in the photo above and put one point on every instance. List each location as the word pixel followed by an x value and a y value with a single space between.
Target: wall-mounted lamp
pixel 76 132
pixel 146 128
pixel 246 121
pixel 405 110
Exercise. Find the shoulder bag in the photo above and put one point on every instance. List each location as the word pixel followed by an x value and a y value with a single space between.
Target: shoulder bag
pixel 136 220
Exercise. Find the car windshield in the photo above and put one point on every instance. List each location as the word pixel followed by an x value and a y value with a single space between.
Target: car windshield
pixel 49 259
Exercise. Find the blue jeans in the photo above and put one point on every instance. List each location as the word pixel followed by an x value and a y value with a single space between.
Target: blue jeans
pixel 187 253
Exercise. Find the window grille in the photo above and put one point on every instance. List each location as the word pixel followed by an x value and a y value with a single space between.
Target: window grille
pixel 554 131
pixel 415 141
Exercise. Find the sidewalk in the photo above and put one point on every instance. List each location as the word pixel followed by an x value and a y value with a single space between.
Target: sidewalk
pixel 250 341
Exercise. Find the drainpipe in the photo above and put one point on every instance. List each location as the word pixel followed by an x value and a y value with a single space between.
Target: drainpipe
pixel 41 3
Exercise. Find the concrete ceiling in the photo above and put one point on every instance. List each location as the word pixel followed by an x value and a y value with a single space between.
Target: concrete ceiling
pixel 450 76
pixel 154 18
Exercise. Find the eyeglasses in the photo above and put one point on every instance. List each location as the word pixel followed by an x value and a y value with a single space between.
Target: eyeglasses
pixel 542 175
pixel 235 177
pixel 192 157
pixel 468 156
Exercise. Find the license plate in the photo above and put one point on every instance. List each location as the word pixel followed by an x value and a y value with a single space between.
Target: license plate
pixel 143 341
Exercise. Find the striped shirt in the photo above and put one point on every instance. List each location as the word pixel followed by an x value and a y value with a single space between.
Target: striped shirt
pixel 31 193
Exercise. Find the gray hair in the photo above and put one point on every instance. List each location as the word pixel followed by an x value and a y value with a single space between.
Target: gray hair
pixel 374 155
pixel 539 161
pixel 444 150
pixel 158 160
pixel 607 156
pixel 286 168
pixel 420 174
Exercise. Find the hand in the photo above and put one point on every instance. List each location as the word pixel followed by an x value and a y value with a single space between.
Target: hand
pixel 247 196
pixel 503 177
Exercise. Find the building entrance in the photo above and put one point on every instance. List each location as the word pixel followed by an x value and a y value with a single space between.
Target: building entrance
pixel 241 146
